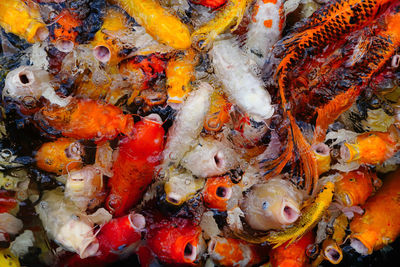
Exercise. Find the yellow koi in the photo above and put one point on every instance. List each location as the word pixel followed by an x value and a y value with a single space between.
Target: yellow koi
pixel 311 215
pixel 180 73
pixel 160 24
pixel 8 259
pixel 23 18
pixel 231 14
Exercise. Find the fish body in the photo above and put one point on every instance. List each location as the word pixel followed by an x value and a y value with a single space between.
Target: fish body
pixel 230 14
pixel 293 255
pixel 22 18
pixel 158 22
pixel 218 114
pixel 209 3
pixel 180 74
pixel 235 252
pixel 240 84
pixel 134 167
pixel 86 119
pixel 7 201
pixel 8 259
pixel 265 29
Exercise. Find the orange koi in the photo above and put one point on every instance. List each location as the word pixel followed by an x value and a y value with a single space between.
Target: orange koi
pixel 372 147
pixel 355 187
pixel 180 73
pixel 380 224
pixel 175 241
pixel 65 33
pixel 60 156
pixel 22 18
pixel 293 255
pixel 107 48
pixel 85 119
pixel 217 191
pixel 218 114
pixel 134 167
pixel 235 252
pixel 160 24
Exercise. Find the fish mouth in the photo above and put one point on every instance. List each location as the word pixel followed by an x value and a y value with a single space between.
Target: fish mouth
pixel 174 199
pixel 190 252
pixel 223 192
pixel 219 160
pixel 137 221
pixel 65 46
pixel 333 254
pixel 359 246
pixel 321 149
pixel 102 53
pixel 289 213
pixel 25 77
pixel 89 249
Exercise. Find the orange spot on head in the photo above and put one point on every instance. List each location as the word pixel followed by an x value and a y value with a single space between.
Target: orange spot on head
pixel 268 23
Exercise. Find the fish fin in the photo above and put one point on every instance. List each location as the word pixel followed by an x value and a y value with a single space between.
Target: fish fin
pixel 327 114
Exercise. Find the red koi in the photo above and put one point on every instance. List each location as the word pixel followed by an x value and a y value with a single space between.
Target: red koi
pixel 175 241
pixel 7 201
pixel 209 3
pixel 134 167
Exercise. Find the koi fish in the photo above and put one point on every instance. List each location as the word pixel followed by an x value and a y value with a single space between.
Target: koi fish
pixel 161 25
pixel 85 187
pixel 272 205
pixel 293 255
pixel 310 216
pixel 60 156
pixel 22 18
pixel 64 32
pixel 180 185
pixel 355 187
pixel 175 241
pixel 217 191
pixel 235 252
pixel 230 14
pixel 116 237
pixel 323 157
pixel 210 157
pixel 379 225
pixel 107 47
pixel 187 125
pixel 209 3
pixel 134 167
pixel 265 29
pixel 27 84
pixel 180 73
pixel 239 82
pixel 218 114
pixel 66 224
pixel 85 119
pixel 372 147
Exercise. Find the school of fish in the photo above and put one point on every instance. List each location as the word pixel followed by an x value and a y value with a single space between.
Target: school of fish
pixel 198 132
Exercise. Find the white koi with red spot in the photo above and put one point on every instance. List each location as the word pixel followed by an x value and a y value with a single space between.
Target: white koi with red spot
pixel 265 29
